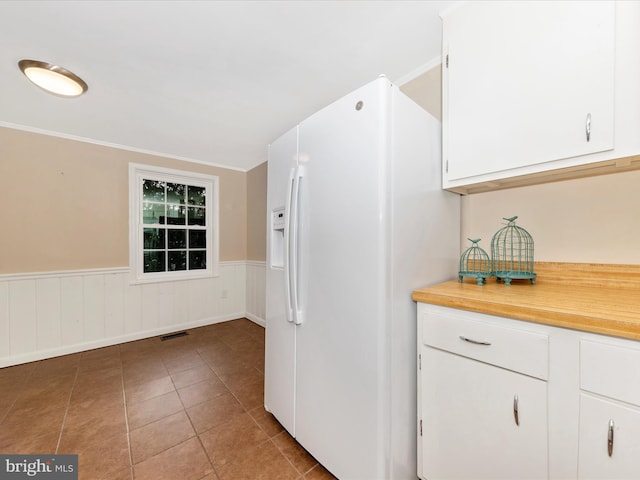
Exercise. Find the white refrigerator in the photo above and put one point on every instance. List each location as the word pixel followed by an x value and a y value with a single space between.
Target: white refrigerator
pixel 357 220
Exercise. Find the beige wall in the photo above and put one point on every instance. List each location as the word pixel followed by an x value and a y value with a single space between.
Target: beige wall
pixel 425 91
pixel 257 213
pixel 65 203
pixel 589 220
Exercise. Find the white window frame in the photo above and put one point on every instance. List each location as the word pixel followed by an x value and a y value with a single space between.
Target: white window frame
pixel 139 172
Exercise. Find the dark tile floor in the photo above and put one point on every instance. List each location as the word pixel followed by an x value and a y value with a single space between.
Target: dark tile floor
pixel 188 408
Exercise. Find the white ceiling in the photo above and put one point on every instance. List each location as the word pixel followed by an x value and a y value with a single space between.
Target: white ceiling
pixel 210 81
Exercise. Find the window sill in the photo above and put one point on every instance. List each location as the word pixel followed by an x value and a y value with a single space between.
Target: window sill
pixel 173 277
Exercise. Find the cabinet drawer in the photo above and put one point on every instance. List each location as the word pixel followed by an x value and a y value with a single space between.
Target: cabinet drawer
pixel 518 350
pixel 610 370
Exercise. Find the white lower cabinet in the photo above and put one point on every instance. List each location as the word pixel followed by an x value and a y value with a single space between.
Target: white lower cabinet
pixel 609 440
pixel 481 421
pixel 609 445
pixel 508 399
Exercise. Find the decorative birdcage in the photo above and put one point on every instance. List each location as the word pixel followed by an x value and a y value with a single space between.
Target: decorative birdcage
pixel 474 262
pixel 512 253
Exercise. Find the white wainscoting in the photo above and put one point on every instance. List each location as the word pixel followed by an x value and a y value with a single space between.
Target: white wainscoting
pixel 256 291
pixel 56 313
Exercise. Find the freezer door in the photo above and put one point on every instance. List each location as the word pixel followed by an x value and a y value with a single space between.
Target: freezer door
pixel 340 397
pixel 280 334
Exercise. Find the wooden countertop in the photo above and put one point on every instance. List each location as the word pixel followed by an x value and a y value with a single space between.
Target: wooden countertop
pixel 590 297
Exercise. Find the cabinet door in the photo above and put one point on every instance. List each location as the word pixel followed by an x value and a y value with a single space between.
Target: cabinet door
pixel 469 428
pixel 597 418
pixel 520 80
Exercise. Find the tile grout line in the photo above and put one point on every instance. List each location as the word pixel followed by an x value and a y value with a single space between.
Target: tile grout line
pixel 126 416
pixel 215 471
pixel 66 411
pixel 184 409
pixel 15 400
pixel 269 438
pixel 244 408
pixel 76 388
pixel 300 475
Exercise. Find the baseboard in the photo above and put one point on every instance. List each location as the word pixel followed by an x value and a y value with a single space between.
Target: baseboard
pixel 256 319
pixel 107 342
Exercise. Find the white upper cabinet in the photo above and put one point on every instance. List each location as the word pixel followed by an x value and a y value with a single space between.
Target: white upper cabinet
pixel 530 87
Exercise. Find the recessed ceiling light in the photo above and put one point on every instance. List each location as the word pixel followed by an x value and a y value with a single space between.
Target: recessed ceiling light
pixel 52 78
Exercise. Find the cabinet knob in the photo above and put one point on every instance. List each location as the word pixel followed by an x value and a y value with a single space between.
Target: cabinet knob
pixel 588 127
pixel 610 437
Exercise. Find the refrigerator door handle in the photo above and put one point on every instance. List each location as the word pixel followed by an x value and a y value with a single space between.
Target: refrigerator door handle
pixel 294 250
pixel 287 246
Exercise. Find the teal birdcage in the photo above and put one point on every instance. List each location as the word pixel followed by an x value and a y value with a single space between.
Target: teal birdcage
pixel 512 253
pixel 474 262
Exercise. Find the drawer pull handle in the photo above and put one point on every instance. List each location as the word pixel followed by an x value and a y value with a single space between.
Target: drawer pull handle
pixel 515 409
pixel 475 342
pixel 610 437
pixel 588 127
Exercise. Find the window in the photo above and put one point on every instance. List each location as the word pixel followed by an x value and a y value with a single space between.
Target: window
pixel 173 216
